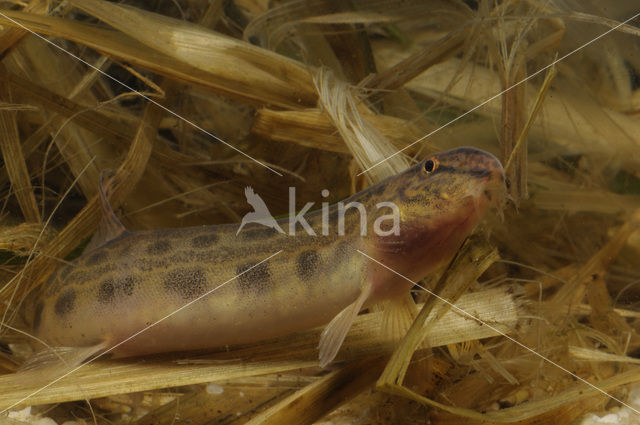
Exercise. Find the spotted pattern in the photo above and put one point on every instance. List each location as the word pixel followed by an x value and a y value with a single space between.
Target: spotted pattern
pixel 158 247
pixel 204 241
pixel 189 283
pixel 343 251
pixel 111 288
pixel 148 264
pixel 127 285
pixel 257 279
pixel 65 303
pixel 106 292
pixel 307 264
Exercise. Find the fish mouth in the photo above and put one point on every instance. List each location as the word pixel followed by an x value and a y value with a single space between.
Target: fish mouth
pixel 490 193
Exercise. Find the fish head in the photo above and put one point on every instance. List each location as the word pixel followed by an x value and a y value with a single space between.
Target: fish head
pixel 440 201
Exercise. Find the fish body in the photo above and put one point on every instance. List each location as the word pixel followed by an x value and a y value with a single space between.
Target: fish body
pixel 137 279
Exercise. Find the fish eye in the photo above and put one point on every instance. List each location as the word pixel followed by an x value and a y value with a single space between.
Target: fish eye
pixel 430 166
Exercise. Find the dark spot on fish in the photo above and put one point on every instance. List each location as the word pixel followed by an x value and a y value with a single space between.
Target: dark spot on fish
pixel 342 252
pixel 37 315
pixel 307 264
pixel 111 288
pixel 146 264
pixel 97 258
pixel 127 284
pixel 158 247
pixel 106 292
pixel 189 283
pixel 257 278
pixel 65 303
pixel 204 241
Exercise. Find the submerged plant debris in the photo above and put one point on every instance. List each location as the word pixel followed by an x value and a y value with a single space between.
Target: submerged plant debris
pixel 192 101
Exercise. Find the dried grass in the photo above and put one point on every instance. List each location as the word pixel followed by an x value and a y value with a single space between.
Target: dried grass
pixel 565 283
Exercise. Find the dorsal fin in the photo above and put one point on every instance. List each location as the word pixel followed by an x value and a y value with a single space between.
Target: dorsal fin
pixel 110 226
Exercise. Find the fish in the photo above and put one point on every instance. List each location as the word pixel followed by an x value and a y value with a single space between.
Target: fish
pixel 126 282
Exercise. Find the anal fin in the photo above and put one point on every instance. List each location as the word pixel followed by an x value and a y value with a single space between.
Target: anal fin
pixel 333 335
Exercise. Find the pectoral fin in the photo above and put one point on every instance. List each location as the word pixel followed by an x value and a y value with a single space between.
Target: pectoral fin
pixel 397 316
pixel 335 332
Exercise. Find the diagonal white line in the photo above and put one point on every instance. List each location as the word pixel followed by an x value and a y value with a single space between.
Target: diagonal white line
pixel 137 333
pixel 471 316
pixel 502 92
pixel 147 98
